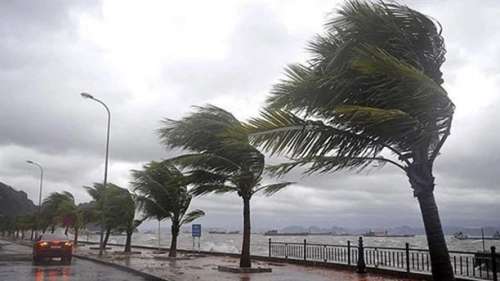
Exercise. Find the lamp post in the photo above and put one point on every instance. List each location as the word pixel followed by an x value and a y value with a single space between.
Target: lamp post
pixel 101 239
pixel 39 194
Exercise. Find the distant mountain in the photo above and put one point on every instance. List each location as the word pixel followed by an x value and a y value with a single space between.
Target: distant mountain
pixel 14 203
pixel 398 230
pixel 313 229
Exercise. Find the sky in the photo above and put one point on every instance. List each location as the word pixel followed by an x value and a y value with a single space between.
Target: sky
pixel 149 60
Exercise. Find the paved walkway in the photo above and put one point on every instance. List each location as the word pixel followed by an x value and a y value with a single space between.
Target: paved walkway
pixel 195 268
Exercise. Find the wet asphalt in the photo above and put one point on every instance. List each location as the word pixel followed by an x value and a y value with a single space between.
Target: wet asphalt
pixel 16 265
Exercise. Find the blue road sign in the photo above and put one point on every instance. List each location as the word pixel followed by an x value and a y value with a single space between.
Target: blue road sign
pixel 196 230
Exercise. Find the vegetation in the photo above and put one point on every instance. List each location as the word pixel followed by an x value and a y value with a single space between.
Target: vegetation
pixel 24 223
pixel 223 159
pixel 57 209
pixel 114 208
pixel 371 93
pixel 162 194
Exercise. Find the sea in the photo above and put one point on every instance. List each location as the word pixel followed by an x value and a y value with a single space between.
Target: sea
pixel 231 243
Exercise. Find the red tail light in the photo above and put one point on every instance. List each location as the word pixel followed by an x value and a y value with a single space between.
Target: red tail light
pixel 42 244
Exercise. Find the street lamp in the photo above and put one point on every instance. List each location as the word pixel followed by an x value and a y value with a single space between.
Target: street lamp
pixel 40 193
pixel 88 96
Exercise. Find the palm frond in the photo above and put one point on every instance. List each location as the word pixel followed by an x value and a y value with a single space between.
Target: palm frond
pixel 206 160
pixel 203 189
pixel 324 164
pixel 283 132
pixel 191 216
pixel 373 82
pixel 222 154
pixel 271 189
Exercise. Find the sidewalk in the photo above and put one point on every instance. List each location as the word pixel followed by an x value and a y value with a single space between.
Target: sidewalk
pixel 188 267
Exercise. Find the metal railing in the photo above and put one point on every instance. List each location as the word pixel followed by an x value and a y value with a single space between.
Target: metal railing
pixel 479 265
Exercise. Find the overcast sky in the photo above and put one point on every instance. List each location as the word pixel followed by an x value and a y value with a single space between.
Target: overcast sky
pixel 154 59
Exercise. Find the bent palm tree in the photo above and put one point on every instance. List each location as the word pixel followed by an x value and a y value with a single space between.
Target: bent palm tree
pixel 57 208
pixel 223 161
pixel 371 93
pixel 162 193
pixel 114 206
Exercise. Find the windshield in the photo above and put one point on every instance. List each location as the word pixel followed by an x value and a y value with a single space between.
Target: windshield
pixel 53 236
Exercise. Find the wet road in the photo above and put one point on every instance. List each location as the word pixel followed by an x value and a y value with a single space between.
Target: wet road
pixel 15 264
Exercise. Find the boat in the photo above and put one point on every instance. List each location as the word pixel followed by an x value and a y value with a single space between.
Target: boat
pixel 217 232
pixel 386 234
pixel 223 232
pixel 322 233
pixel 463 236
pixel 276 233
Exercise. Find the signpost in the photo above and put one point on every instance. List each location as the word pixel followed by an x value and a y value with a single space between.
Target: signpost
pixel 196 233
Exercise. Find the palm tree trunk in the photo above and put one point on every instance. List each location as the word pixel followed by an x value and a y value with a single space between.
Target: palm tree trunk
pixel 440 258
pixel 128 241
pixel 245 248
pixel 75 237
pixel 159 236
pixel 173 243
pixel 106 238
pixel 422 182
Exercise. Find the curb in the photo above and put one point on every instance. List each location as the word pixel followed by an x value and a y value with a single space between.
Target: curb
pixel 148 276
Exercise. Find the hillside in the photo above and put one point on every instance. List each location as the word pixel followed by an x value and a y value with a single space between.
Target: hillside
pixel 13 202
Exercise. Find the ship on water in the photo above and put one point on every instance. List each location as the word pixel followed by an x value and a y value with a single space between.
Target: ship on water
pixel 223 232
pixel 385 234
pixel 463 236
pixel 276 233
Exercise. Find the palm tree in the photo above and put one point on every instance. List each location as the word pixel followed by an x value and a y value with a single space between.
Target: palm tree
pixel 57 209
pixel 371 93
pixel 7 225
pixel 25 223
pixel 82 215
pixel 223 160
pixel 123 199
pixel 129 230
pixel 114 205
pixel 60 208
pixel 162 193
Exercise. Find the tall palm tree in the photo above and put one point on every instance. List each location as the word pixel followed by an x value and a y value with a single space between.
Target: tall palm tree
pixel 114 205
pixel 124 201
pixel 162 193
pixel 370 93
pixel 223 159
pixel 57 208
pixel 60 208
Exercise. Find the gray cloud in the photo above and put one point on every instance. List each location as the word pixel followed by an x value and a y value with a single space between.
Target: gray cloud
pixel 51 52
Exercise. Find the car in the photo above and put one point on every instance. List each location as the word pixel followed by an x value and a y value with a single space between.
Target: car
pixel 49 246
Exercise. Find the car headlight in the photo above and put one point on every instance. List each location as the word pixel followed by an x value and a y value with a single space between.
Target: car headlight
pixel 67 244
pixel 43 244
